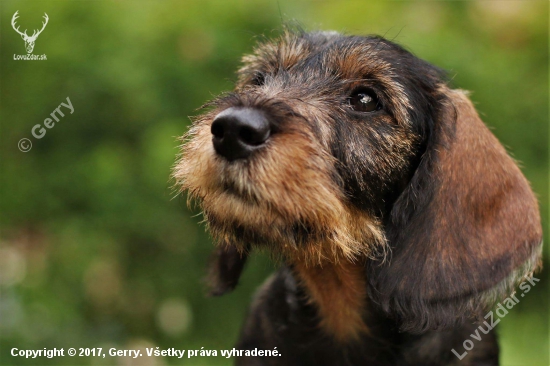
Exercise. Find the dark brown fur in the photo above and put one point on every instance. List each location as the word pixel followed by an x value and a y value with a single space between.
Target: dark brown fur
pixel 398 228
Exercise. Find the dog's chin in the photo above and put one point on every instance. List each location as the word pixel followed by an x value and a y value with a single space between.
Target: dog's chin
pixel 243 219
pixel 276 237
pixel 240 216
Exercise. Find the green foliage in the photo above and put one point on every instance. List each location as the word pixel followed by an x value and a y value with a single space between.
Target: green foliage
pixel 96 248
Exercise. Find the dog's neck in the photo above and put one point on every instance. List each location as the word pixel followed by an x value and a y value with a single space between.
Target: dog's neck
pixel 339 292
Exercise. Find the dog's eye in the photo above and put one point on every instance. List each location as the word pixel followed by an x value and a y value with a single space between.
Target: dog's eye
pixel 258 79
pixel 364 100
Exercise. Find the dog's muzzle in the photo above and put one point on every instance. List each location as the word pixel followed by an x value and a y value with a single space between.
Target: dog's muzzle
pixel 237 132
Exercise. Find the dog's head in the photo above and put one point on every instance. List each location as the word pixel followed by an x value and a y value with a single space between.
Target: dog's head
pixel 339 147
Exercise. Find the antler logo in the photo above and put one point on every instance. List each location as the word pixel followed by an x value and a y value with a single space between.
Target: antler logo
pixel 29 40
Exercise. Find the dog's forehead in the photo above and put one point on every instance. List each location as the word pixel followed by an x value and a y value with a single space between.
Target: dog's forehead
pixel 323 52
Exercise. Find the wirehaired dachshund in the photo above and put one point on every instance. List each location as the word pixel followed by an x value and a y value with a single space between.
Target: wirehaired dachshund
pixel 397 217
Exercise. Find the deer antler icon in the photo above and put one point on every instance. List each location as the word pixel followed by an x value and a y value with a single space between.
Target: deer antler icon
pixel 29 40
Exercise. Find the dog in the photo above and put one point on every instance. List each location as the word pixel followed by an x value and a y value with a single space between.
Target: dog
pixel 398 218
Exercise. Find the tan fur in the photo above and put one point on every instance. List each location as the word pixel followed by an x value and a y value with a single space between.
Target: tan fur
pixel 339 292
pixel 288 183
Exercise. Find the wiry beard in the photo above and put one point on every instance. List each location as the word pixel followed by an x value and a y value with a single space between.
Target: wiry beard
pixel 285 197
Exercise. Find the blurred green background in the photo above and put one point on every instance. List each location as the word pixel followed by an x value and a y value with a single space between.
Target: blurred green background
pixel 96 250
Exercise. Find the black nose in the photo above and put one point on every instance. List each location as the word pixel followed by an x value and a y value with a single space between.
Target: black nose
pixel 239 131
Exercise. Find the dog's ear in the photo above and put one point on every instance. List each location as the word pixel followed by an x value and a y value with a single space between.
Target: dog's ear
pixel 226 266
pixel 464 231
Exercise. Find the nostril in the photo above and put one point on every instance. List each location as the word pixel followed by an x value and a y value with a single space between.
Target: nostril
pixel 217 130
pixel 253 136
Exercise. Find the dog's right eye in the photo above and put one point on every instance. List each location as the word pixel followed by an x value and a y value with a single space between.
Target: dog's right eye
pixel 364 100
pixel 258 79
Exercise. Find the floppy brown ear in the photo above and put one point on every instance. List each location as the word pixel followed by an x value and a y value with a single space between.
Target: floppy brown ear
pixel 225 269
pixel 464 231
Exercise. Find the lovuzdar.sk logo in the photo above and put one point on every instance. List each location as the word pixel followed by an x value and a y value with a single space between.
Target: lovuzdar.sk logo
pixel 29 40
